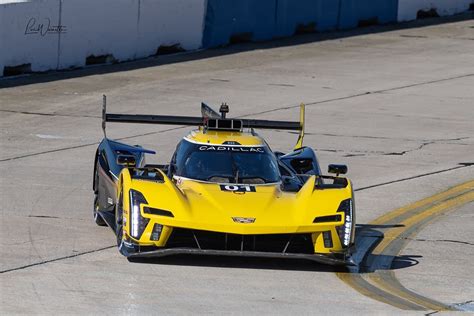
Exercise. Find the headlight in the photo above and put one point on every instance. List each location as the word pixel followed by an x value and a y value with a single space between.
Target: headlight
pixel 345 232
pixel 137 222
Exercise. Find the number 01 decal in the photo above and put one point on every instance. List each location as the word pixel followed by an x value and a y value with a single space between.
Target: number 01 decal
pixel 237 188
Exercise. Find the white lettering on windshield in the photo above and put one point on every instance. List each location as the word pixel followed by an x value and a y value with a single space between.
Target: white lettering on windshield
pixel 233 149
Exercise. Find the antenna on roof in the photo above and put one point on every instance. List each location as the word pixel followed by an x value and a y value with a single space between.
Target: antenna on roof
pixel 224 109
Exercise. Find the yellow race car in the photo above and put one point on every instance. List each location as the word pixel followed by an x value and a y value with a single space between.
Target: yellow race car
pixel 224 192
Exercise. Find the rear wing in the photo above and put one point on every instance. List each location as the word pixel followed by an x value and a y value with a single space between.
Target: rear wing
pixel 210 119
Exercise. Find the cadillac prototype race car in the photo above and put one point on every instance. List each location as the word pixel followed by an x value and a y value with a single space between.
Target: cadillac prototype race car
pixel 224 192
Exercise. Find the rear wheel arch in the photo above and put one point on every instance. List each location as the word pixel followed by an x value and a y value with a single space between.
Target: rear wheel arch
pixel 96 208
pixel 94 178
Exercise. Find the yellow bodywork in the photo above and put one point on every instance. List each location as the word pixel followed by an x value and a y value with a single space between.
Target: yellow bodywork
pixel 220 137
pixel 204 206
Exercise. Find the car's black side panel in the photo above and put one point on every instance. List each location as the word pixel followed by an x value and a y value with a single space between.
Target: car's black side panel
pixel 108 170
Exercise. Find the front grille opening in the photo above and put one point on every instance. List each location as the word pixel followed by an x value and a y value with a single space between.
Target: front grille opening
pixel 279 243
pixel 327 239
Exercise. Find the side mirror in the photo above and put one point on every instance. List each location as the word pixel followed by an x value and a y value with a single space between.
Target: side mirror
pixel 126 160
pixel 337 169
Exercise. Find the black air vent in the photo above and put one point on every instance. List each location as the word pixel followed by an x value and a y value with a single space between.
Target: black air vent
pixel 157 211
pixel 327 219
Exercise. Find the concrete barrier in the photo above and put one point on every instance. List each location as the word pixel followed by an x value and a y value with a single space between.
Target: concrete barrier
pixel 412 9
pixel 230 21
pixel 300 16
pixel 243 20
pixel 46 35
pixel 367 12
pixel 41 35
pixel 170 23
pixel 121 30
pixel 29 36
pixel 108 31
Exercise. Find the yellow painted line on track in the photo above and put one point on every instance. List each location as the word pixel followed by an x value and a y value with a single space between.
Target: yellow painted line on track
pixel 414 220
pixel 459 189
pixel 378 280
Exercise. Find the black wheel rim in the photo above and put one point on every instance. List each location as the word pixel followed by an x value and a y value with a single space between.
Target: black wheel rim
pixel 96 206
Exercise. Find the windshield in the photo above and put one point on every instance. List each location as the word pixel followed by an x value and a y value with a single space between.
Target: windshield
pixel 228 164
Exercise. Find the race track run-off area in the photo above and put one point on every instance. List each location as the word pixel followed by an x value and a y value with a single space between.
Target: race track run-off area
pixel 394 103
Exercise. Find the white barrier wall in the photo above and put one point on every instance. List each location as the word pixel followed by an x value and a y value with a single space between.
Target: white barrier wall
pixel 26 34
pixel 408 9
pixel 98 28
pixel 59 34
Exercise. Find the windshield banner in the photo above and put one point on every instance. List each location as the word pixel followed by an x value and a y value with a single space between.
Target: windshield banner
pixel 233 149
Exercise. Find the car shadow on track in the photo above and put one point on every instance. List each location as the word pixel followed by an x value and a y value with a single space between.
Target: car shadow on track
pixel 368 237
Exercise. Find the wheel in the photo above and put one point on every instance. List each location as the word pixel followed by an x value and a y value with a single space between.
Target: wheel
pixel 119 221
pixel 95 212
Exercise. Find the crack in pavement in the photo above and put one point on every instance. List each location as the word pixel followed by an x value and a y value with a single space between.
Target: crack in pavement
pixel 50 114
pixel 440 240
pixel 461 165
pixel 401 153
pixel 56 259
pixel 361 94
pixel 422 239
pixel 89 144
pixel 362 153
pixel 43 216
pixel 377 137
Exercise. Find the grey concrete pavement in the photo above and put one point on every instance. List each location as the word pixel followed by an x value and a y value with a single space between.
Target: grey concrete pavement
pixel 447 262
pixel 392 105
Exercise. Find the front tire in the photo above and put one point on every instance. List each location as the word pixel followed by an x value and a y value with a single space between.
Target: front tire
pixel 95 212
pixel 119 221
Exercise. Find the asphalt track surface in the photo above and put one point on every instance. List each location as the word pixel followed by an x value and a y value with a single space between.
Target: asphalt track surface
pixel 396 104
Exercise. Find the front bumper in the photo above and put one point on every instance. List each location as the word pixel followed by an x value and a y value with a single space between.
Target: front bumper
pixel 189 242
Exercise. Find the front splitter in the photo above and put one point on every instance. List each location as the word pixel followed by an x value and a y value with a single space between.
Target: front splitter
pixel 330 260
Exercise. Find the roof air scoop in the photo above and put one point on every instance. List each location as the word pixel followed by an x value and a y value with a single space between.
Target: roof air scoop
pixel 224 109
pixel 224 125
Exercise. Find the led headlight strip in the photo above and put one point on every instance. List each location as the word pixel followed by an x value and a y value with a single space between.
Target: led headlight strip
pixel 137 222
pixel 345 231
